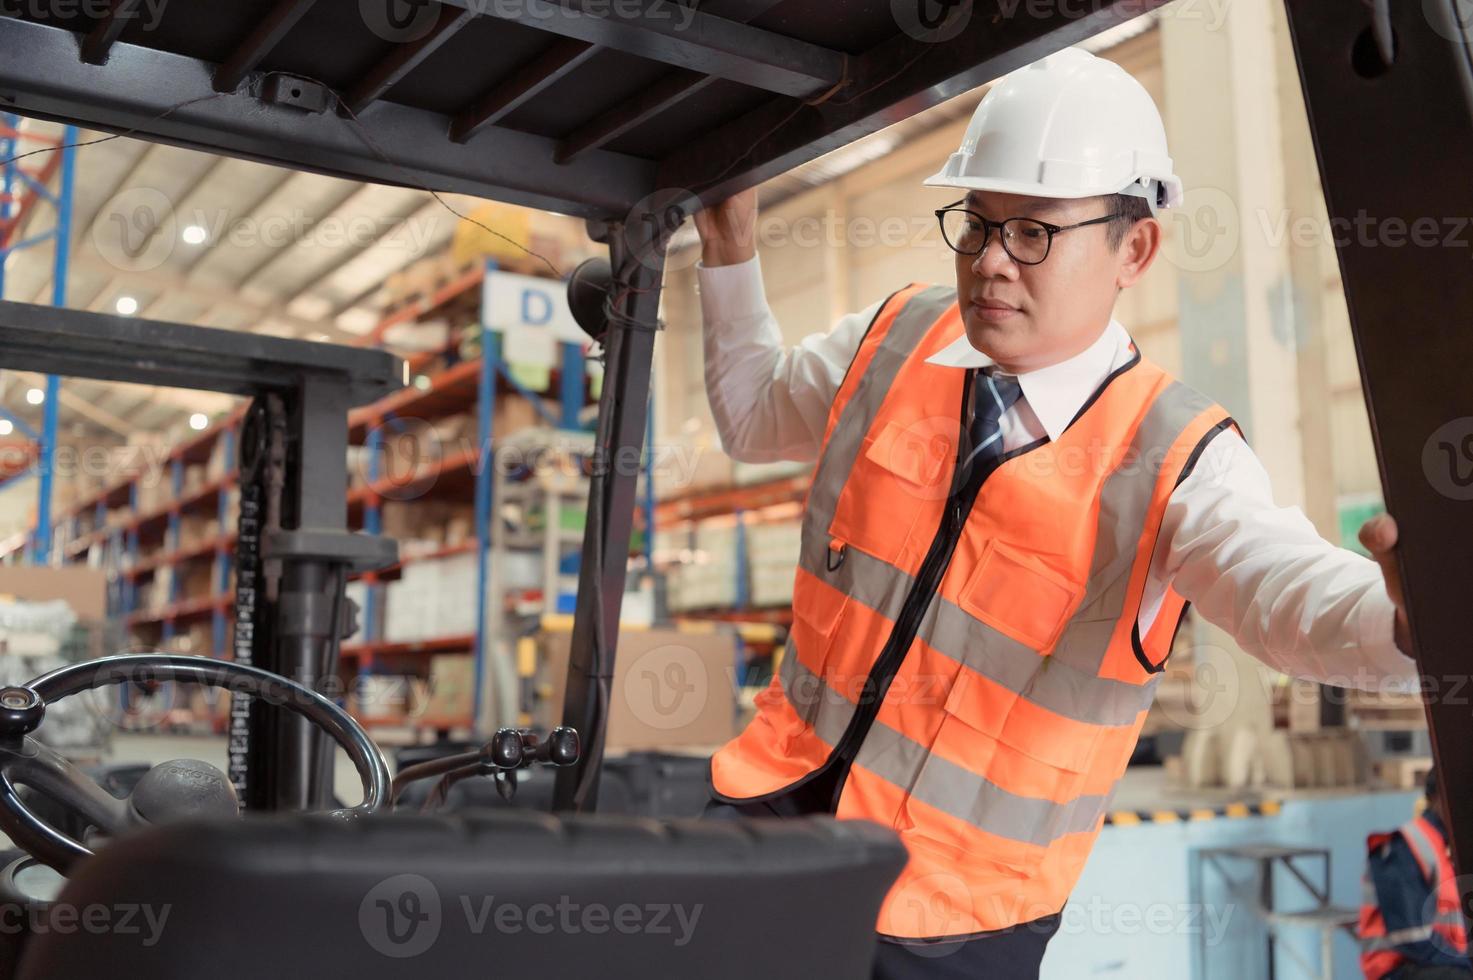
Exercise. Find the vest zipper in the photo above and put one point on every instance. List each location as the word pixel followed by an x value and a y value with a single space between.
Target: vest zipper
pixel 959 503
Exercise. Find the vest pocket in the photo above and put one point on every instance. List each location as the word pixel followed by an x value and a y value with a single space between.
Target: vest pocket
pixel 949 841
pixel 815 630
pixel 977 823
pixel 1025 728
pixel 1029 603
pixel 1017 793
pixel 902 474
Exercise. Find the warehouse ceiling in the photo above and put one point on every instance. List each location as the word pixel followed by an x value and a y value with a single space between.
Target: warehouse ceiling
pixel 224 242
pixel 282 252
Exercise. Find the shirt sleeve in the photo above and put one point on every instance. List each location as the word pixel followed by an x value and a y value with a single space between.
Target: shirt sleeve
pixel 770 402
pixel 1262 572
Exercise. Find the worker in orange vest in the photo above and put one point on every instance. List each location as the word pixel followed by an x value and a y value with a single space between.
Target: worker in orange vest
pixel 1411 922
pixel 1010 510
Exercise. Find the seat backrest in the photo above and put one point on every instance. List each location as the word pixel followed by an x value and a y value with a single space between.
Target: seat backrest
pixel 674 785
pixel 476 895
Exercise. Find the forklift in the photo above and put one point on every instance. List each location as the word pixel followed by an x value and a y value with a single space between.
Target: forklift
pixel 632 117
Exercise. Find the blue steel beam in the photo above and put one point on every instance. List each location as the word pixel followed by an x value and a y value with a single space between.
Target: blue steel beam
pixel 572 385
pixel 485 418
pixel 31 242
pixel 25 427
pixel 46 465
pixel 9 121
pixel 31 182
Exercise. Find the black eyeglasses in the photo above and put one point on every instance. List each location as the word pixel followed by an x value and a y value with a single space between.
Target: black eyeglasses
pixel 1026 240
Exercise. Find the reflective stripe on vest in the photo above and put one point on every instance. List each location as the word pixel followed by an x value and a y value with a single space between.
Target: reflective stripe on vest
pixel 1014 707
pixel 1429 858
pixel 1430 850
pixel 1411 934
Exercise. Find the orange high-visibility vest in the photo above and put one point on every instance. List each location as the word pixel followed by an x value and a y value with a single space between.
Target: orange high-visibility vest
pixel 975 671
pixel 1380 954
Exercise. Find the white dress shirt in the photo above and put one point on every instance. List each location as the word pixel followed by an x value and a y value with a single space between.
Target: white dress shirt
pixel 1259 571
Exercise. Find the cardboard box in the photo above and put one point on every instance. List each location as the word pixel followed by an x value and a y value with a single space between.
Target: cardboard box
pixel 197 640
pixel 196 529
pixel 773 543
pixel 772 583
pixel 703 585
pixel 450 696
pixel 405 619
pixel 157 596
pixel 220 461
pixel 455 595
pixel 383 698
pixel 460 524
pixel 84 589
pixel 399 519
pixel 1303 714
pixel 200 638
pixel 154 495
pixel 670 689
pixel 456 433
pixel 515 413
pixel 197 579
pixel 194 478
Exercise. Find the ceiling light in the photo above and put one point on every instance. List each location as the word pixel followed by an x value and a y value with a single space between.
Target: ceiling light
pixel 198 421
pixel 35 396
pixel 5 427
pixel 194 235
pixel 127 305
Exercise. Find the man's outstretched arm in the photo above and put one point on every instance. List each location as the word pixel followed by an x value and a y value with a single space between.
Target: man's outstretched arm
pixel 770 402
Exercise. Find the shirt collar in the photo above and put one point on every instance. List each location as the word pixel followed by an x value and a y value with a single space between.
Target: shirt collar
pixel 1057 392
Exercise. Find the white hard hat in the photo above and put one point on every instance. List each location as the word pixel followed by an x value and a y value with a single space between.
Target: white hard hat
pixel 1070 125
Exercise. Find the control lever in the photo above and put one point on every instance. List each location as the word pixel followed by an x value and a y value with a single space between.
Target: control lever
pixel 509 750
pixel 512 749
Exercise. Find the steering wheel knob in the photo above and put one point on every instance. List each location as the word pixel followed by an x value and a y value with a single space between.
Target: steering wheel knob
pixel 183 789
pixel 21 711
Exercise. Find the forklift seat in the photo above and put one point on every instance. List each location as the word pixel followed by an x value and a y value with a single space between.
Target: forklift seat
pixel 477 894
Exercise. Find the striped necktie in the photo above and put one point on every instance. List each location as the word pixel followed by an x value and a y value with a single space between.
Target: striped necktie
pixel 993 396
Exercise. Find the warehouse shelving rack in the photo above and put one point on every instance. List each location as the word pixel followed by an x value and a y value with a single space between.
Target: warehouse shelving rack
pixel 470 383
pixel 15 206
pixel 761 629
pixel 552 486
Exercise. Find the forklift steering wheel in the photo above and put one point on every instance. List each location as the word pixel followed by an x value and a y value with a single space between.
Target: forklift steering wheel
pixel 24 760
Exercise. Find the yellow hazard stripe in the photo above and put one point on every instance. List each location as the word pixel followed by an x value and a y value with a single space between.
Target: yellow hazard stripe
pixel 1134 818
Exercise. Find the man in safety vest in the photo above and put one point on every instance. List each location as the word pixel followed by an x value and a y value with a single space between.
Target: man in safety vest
pixel 1010 510
pixel 1411 926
